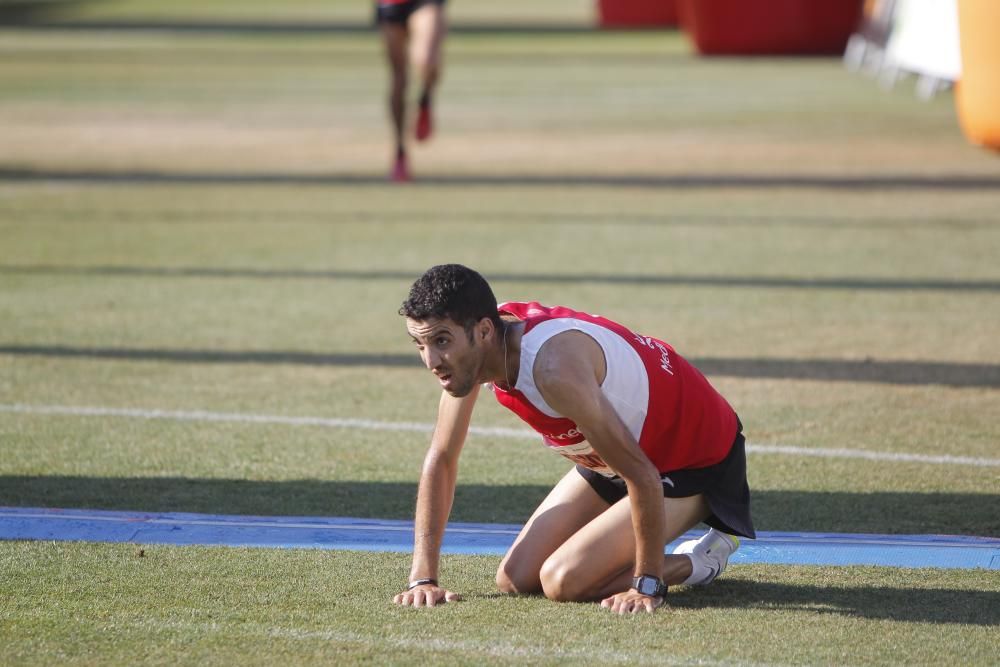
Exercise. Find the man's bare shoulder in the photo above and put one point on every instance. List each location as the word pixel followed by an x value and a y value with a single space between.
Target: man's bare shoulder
pixel 569 357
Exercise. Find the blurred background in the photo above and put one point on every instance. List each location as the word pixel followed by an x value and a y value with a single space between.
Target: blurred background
pixel 301 86
pixel 195 214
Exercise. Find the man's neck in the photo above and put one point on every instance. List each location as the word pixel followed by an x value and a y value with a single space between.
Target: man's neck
pixel 511 349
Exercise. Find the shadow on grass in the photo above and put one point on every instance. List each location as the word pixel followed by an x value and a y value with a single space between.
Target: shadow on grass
pixel 887 512
pixel 950 374
pixel 31 12
pixel 881 603
pixel 676 280
pixel 835 182
pixel 30 18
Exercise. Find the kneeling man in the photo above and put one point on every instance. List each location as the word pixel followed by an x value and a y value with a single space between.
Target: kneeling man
pixel 657 449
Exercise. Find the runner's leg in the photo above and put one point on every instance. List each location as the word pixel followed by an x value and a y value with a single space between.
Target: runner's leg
pixel 598 559
pixel 396 39
pixel 428 28
pixel 570 506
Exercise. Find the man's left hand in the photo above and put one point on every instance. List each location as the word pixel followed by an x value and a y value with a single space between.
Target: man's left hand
pixel 632 602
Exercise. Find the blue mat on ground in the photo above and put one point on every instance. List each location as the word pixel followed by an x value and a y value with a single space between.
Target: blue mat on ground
pixel 25 523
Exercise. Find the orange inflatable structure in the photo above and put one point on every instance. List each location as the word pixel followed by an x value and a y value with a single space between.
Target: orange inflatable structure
pixel 637 13
pixel 977 95
pixel 763 27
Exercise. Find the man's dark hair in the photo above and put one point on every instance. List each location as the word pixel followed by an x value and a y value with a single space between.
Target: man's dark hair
pixel 451 291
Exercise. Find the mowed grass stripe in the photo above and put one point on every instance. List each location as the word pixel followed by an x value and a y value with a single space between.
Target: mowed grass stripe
pixel 688 280
pixel 236 605
pixel 525 179
pixel 952 374
pixel 484 431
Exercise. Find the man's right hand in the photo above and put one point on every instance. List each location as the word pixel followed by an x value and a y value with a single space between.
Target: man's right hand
pixel 425 595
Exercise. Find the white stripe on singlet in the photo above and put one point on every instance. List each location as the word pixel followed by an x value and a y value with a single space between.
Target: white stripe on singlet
pixel 626 384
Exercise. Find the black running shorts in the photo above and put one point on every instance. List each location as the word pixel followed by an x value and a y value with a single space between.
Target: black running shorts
pixel 400 12
pixel 724 486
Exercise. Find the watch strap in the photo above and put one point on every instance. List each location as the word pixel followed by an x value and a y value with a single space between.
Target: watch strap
pixel 421 582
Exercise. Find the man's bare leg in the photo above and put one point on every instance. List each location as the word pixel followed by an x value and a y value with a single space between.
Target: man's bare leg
pixel 570 506
pixel 427 28
pixel 396 39
pixel 597 561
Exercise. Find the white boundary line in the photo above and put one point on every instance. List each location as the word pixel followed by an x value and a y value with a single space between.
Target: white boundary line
pixel 393 642
pixel 494 431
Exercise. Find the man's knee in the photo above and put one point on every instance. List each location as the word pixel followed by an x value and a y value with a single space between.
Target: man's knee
pixel 505 583
pixel 513 580
pixel 561 583
pixel 428 65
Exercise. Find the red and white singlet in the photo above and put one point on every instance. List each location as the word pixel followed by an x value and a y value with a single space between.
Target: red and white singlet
pixel 679 420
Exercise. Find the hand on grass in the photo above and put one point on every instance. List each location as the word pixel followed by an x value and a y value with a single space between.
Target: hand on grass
pixel 632 602
pixel 427 595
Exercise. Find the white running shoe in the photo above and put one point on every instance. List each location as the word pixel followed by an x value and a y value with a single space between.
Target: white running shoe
pixel 713 549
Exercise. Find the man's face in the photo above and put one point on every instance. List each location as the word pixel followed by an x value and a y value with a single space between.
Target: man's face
pixel 447 352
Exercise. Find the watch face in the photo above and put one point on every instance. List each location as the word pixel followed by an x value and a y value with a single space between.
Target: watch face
pixel 647 585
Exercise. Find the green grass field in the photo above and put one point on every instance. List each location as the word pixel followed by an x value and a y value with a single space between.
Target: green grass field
pixel 199 220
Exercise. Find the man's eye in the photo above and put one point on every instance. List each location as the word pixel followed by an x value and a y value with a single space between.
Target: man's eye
pixel 441 342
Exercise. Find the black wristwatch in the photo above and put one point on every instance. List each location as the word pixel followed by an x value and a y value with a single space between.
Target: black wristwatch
pixel 650 585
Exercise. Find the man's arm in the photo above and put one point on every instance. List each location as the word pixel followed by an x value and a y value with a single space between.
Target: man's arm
pixel 434 498
pixel 568 371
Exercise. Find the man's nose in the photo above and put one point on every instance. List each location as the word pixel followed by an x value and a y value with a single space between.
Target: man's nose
pixel 431 359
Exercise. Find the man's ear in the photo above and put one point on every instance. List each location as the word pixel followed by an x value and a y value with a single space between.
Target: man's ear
pixel 485 327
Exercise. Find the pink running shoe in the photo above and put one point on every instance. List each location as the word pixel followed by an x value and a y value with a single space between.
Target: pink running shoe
pixel 425 123
pixel 401 170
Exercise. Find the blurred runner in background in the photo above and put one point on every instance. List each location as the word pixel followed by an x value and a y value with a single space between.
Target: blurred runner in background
pixel 413 32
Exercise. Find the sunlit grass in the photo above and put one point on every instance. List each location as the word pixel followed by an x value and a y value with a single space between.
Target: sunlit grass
pixel 597 170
